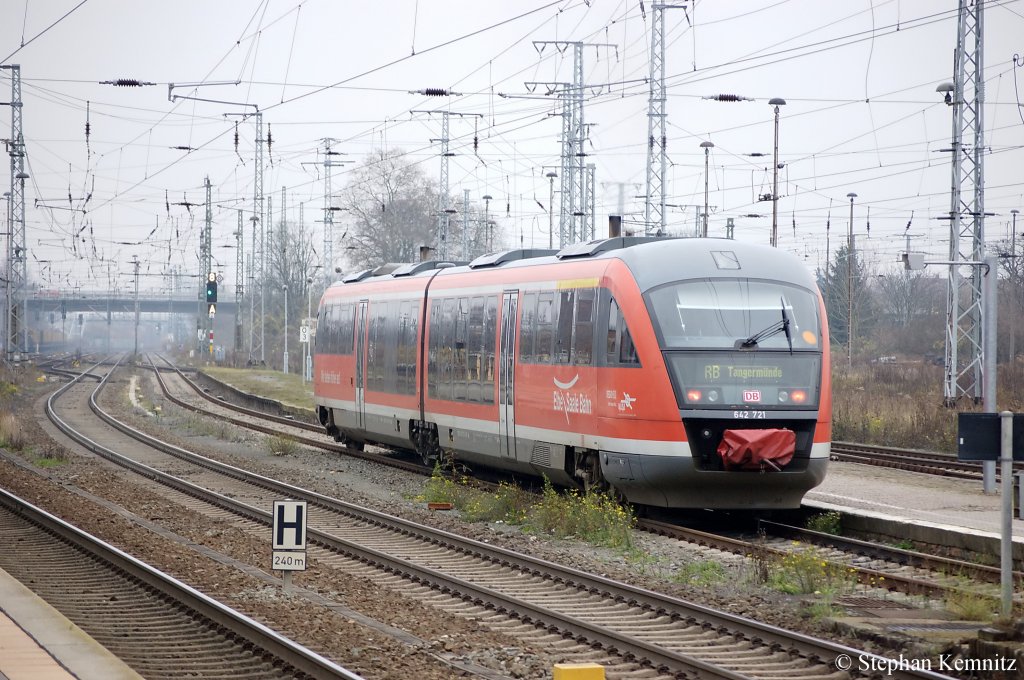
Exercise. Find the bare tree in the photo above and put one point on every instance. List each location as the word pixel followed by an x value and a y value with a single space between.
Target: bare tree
pixel 902 296
pixel 391 209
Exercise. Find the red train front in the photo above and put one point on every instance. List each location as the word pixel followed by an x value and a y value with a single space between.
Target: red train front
pixel 679 372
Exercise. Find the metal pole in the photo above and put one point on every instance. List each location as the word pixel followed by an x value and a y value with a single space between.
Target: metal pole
pixel 1013 263
pixel 1006 519
pixel 135 261
pixel 285 369
pixel 551 209
pixel 307 374
pixel 465 224
pixel 850 260
pixel 989 301
pixel 487 222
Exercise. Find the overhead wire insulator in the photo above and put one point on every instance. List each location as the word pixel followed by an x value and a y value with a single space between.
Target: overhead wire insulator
pixel 434 92
pixel 126 82
pixel 728 98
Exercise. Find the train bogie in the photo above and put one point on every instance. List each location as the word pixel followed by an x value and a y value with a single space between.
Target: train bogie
pixel 679 372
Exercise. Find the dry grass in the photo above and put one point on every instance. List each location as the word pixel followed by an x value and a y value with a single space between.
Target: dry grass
pixel 288 389
pixel 902 404
pixel 12 434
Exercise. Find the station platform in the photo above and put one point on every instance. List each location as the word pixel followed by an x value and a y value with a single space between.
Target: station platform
pixel 936 507
pixel 38 643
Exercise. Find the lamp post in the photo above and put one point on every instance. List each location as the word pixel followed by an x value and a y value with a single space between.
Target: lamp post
pixel 285 287
pixel 551 209
pixel 850 259
pixel 776 102
pixel 487 223
pixel 707 146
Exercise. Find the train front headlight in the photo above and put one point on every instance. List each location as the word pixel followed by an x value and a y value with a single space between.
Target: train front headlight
pixel 792 395
pixel 714 396
pixel 693 396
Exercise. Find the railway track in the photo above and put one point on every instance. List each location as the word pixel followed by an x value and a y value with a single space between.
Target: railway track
pixel 159 626
pixel 635 628
pixel 875 565
pixel 912 460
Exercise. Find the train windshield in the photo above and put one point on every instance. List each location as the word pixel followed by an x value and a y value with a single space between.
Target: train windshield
pixel 740 344
pixel 736 314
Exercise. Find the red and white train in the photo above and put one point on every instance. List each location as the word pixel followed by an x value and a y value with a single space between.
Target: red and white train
pixel 690 373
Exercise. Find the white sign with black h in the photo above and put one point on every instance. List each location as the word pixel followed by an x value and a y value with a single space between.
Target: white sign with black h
pixel 289 541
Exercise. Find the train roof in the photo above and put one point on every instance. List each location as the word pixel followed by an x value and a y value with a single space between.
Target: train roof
pixel 654 261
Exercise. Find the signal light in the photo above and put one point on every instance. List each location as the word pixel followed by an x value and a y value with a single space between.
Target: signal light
pixel 211 291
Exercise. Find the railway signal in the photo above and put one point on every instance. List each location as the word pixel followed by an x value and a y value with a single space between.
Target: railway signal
pixel 211 288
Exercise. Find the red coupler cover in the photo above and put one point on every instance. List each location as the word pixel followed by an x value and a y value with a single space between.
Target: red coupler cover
pixel 757 449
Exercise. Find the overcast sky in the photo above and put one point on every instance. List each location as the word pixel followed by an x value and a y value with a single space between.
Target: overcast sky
pixel 859 78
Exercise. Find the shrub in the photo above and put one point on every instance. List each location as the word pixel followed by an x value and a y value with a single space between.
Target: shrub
pixel 282 446
pixel 704 573
pixel 594 517
pixel 803 572
pixel 827 523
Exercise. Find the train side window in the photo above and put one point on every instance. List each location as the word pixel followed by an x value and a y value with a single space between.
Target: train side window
pixel 406 357
pixel 490 333
pixel 344 324
pixel 373 348
pixel 412 350
pixel 612 348
pixel 322 345
pixel 528 328
pixel 620 349
pixel 583 330
pixel 627 350
pixel 563 338
pixel 545 328
pixel 433 352
pixel 447 349
pixel 459 381
pixel 474 354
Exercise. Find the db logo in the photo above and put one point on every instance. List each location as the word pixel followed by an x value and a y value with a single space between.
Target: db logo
pixel 751 395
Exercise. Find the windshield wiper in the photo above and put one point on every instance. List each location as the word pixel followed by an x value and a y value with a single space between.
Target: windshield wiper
pixel 781 326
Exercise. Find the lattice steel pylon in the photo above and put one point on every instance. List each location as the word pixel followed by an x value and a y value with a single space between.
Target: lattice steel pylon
pixel 328 268
pixel 17 254
pixel 443 216
pixel 964 358
pixel 444 213
pixel 573 132
pixel 657 159
pixel 573 218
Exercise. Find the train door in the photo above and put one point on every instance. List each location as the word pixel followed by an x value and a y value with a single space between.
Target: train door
pixel 506 375
pixel 361 363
